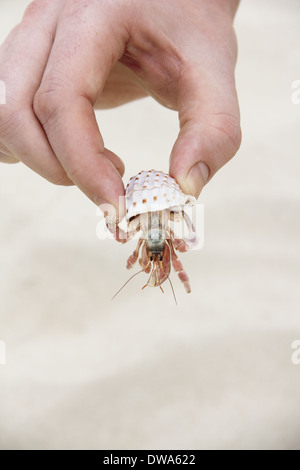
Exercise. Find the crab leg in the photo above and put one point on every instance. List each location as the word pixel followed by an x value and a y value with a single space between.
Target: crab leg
pixel 119 234
pixel 191 240
pixel 144 259
pixel 133 258
pixel 178 243
pixel 188 242
pixel 178 268
pixel 165 265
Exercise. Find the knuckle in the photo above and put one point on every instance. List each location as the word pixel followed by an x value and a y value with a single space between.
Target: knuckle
pixel 229 133
pixel 46 102
pixel 43 105
pixel 60 178
pixel 74 173
pixel 34 9
pixel 233 131
pixel 51 96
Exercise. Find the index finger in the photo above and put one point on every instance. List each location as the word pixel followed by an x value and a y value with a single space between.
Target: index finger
pixel 78 66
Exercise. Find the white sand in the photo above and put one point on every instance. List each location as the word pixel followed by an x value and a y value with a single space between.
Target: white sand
pixel 215 372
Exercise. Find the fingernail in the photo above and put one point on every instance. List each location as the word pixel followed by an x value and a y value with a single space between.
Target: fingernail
pixel 197 178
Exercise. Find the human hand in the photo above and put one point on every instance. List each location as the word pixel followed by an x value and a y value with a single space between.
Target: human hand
pixel 68 56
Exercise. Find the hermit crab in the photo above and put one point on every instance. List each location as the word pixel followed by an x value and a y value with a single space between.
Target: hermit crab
pixel 153 200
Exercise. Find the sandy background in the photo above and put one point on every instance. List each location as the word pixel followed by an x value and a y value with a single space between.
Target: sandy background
pixel 215 372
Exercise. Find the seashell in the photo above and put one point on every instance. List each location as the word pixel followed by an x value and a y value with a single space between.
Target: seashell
pixel 151 191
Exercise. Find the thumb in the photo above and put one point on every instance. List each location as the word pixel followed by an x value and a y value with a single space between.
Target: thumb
pixel 209 134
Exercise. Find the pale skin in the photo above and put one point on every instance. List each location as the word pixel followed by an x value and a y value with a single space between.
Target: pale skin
pixel 69 57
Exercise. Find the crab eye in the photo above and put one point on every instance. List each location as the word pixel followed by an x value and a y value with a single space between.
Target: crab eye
pixel 151 258
pixel 160 258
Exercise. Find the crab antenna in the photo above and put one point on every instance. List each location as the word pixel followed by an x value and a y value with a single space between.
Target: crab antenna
pixel 156 275
pixel 127 283
pixel 149 276
pixel 168 276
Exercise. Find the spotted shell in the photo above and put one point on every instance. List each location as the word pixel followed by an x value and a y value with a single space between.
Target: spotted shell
pixel 153 190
